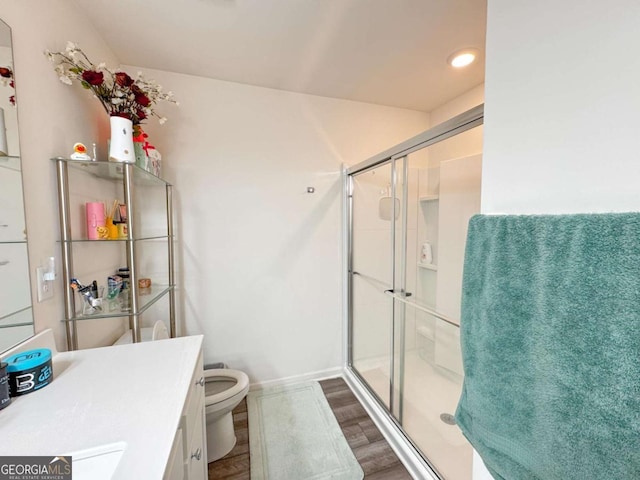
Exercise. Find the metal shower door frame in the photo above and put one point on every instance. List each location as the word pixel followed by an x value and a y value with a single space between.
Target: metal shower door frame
pixel 454 126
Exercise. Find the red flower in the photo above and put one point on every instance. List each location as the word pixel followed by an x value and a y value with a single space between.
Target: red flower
pixel 143 100
pixel 123 79
pixel 6 72
pixel 140 114
pixel 93 78
pixel 12 100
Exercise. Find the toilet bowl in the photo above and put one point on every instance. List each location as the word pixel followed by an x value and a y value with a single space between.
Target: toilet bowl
pixel 224 389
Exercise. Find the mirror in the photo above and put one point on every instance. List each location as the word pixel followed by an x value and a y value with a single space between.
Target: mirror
pixel 16 315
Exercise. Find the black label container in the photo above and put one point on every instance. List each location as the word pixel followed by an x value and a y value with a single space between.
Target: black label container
pixel 5 399
pixel 29 371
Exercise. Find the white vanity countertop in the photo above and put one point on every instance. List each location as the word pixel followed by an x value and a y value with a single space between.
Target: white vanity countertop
pixel 131 393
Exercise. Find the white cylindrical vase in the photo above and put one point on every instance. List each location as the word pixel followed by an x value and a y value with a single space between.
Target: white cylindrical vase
pixel 121 144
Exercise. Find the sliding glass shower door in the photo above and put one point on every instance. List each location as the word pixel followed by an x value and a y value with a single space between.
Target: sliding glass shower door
pixel 373 220
pixel 409 215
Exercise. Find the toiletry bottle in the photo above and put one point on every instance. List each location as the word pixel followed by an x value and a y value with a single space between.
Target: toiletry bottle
pixel 111 228
pixel 426 255
pixel 126 289
pixel 95 221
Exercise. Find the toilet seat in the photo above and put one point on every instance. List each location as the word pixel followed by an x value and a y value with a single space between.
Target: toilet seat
pixel 157 332
pixel 226 374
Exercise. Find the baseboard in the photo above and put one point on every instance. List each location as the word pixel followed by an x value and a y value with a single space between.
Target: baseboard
pixel 406 452
pixel 305 377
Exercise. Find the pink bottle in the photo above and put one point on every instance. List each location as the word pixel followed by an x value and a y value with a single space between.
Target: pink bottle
pixel 95 220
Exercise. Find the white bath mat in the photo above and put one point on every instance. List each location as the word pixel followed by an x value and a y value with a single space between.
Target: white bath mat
pixel 293 435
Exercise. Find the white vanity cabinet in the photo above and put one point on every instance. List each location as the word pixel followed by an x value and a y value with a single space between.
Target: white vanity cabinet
pixel 175 466
pixel 127 412
pixel 188 459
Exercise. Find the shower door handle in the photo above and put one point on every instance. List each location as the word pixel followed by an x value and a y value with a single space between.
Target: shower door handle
pixel 406 294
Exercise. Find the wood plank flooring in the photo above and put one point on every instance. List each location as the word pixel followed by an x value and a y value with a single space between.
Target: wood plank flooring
pixel 372 451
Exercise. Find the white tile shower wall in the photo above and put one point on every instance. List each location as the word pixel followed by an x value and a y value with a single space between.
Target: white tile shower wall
pixel 372 309
pixel 260 259
pixel 445 226
pixel 459 201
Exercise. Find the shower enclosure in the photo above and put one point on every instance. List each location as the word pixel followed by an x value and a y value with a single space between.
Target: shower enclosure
pixel 407 211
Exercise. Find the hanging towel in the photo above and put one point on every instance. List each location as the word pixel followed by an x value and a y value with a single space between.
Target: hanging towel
pixel 550 334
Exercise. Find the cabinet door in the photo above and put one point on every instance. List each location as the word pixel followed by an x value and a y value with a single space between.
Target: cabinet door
pixel 193 424
pixel 175 467
pixel 197 462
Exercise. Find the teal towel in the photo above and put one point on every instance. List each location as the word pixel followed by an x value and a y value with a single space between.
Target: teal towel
pixel 550 336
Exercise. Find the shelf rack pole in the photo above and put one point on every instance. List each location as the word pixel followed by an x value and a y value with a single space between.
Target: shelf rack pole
pixel 170 257
pixel 71 327
pixel 134 321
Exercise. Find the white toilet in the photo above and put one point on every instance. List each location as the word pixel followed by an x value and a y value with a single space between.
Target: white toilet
pixel 224 390
pixel 157 332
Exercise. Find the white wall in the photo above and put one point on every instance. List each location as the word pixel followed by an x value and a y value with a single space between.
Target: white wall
pixel 561 119
pixel 51 118
pixel 260 258
pixel 458 105
pixel 561 115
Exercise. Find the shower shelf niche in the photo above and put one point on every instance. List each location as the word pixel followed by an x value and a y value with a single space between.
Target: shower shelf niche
pixel 428 266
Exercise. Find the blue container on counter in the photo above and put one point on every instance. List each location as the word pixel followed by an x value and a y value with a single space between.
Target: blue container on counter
pixel 5 399
pixel 29 371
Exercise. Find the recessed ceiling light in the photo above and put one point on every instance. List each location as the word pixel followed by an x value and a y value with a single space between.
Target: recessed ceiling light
pixel 462 58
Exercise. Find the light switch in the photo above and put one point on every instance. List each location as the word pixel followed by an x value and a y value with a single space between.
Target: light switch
pixel 45 287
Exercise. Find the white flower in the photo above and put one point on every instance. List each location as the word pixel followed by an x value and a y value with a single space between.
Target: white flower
pixel 71 49
pixel 64 79
pixel 117 101
pixel 101 66
pixel 162 120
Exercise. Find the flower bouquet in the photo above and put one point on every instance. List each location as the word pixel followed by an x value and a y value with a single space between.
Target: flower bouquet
pixel 122 97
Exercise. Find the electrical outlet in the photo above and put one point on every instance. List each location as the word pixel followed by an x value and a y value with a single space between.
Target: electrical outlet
pixel 45 287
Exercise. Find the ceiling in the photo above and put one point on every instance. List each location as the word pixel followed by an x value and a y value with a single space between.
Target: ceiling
pixel 387 52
